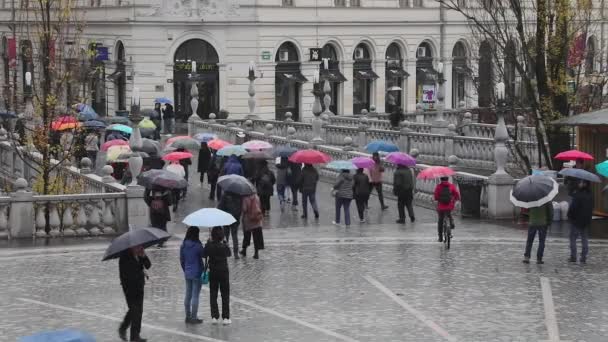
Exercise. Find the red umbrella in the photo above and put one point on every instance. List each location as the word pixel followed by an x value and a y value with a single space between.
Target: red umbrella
pixel 65 122
pixel 116 142
pixel 573 155
pixel 217 144
pixel 177 156
pixel 309 157
pixel 435 172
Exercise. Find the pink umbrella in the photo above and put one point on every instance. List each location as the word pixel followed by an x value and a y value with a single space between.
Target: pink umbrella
pixel 116 142
pixel 256 145
pixel 401 158
pixel 177 156
pixel 171 140
pixel 435 172
pixel 573 155
pixel 363 162
pixel 309 157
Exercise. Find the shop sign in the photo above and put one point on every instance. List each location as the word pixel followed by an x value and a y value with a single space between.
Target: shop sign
pixel 428 93
pixel 101 53
pixel 200 67
pixel 266 55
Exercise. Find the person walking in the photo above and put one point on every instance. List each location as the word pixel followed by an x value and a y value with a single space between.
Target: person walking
pixel 131 268
pixel 403 188
pixel 295 169
pixel 539 219
pixel 158 200
pixel 283 171
pixel 191 259
pixel 186 162
pixel 264 182
pixel 343 190
pixel 231 203
pixel 177 169
pixel 204 159
pixel 252 225
pixel 446 194
pixel 579 215
pixel 375 177
pixel 232 166
pixel 156 118
pixel 91 145
pixel 169 118
pixel 361 191
pixel 307 183
pixel 219 278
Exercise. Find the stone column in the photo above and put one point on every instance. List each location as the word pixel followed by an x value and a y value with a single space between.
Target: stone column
pixel 21 218
pixel 449 141
pixel 404 138
pixel 380 85
pixel 410 85
pixel 136 162
pixel 362 132
pixel 137 209
pixel 447 74
pixel 500 182
pixel 251 102
pixel 347 70
pixel 440 124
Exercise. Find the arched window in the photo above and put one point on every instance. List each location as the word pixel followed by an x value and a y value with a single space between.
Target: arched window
pixel 426 76
pixel 363 76
pixel 98 81
pixel 288 81
pixel 590 57
pixel 394 78
pixel 119 78
pixel 333 75
pixel 485 91
pixel 206 77
pixel 509 70
pixel 27 62
pixel 6 71
pixel 460 73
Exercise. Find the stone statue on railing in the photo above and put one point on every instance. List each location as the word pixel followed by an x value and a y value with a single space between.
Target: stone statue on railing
pixel 212 117
pixel 136 162
pixel 467 120
pixel 107 172
pixel 317 109
pixel 372 112
pixel 362 131
pixel 269 127
pixel 348 144
pixel 251 102
pixel 85 166
pixel 291 135
pixel 419 113
pixel 404 139
pixel 288 117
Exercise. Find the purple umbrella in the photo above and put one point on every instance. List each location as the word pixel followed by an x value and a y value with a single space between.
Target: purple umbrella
pixel 401 158
pixel 363 162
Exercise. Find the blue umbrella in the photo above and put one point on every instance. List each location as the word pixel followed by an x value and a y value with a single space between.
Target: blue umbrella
pixel 204 137
pixel 284 151
pixel 94 124
pixel 120 128
pixel 602 168
pixel 59 336
pixel 236 150
pixel 7 114
pixel 580 174
pixel 85 108
pixel 381 146
pixel 163 100
pixel 86 116
pixel 209 217
pixel 341 165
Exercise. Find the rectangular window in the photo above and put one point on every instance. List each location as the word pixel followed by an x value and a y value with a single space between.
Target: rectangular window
pixel 340 3
pixel 288 3
pixel 417 3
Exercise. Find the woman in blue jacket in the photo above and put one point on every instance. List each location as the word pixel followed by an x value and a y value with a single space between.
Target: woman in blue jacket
pixel 191 258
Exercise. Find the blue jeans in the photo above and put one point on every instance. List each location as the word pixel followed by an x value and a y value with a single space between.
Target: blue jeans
pixel 343 203
pixel 574 233
pixel 313 202
pixel 542 235
pixel 193 290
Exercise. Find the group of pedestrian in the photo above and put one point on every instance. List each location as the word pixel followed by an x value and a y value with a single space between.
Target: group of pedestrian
pixel 164 116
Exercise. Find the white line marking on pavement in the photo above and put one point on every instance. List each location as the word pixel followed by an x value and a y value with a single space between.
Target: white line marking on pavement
pixel 115 319
pixel 290 318
pixel 550 318
pixel 419 315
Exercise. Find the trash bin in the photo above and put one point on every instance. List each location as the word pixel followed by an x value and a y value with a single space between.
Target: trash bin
pixel 470 197
pixel 123 113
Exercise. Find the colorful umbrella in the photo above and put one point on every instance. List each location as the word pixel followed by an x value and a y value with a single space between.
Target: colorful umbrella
pixel 236 150
pixel 401 158
pixel 66 335
pixel 534 191
pixel 176 138
pixel 161 178
pixel 217 144
pixel 363 162
pixel 434 172
pixel 381 146
pixel 204 137
pixel 580 174
pixel 186 143
pixel 94 124
pixel 65 122
pixel 116 142
pixel 309 157
pixel 177 156
pixel 120 128
pixel 573 155
pixel 602 168
pixel 258 155
pixel 115 151
pixel 146 123
pixel 256 145
pixel 85 108
pixel 341 165
pixel 163 100
pixel 285 151
pixel 86 116
pixel 209 217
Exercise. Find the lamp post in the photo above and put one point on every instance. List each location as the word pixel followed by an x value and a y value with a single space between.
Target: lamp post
pixel 135 142
pixel 317 123
pixel 251 91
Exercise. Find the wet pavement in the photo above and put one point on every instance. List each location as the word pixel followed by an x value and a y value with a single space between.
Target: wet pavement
pixel 376 281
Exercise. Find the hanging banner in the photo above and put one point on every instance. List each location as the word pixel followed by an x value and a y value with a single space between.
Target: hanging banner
pixel 12 52
pixel 428 93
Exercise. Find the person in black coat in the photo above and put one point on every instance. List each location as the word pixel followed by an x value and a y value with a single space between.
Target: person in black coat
pixel 159 201
pixel 396 117
pixel 131 267
pixel 264 182
pixel 204 158
pixel 292 181
pixel 213 173
pixel 361 192
pixel 219 278
pixel 580 213
pixel 186 162
pixel 231 203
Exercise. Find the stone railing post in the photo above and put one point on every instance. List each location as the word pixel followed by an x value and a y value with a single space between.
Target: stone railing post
pixel 85 166
pixel 372 112
pixel 291 133
pixel 212 117
pixel 348 144
pixel 500 182
pixel 136 208
pixel 106 172
pixel 248 126
pixel 419 113
pixel 520 128
pixel 449 141
pixel 362 131
pixel 364 112
pixel 269 127
pixel 288 118
pixel 404 137
pixel 466 124
pixel 21 220
pixel 453 162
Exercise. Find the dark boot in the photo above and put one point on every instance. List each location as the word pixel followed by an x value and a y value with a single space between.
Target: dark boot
pixel 255 255
pixel 243 252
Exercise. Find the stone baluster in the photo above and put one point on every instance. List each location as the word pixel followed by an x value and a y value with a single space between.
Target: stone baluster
pixel 212 118
pixel 362 132
pixel 348 144
pixel 448 143
pixel 291 133
pixel 4 232
pixel 372 112
pixel 466 124
pixel 419 113
pixel 404 137
pixel 94 220
pixel 67 219
pixel 85 166
pixel 107 172
pixel 81 219
pixel 40 220
pixel 54 221
pixel 269 127
pixel 108 217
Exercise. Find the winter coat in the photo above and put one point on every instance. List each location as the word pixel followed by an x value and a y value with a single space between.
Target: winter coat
pixel 455 196
pixel 250 203
pixel 294 175
pixel 403 181
pixel 204 158
pixel 581 208
pixel 375 173
pixel 541 216
pixel 307 182
pixel 131 271
pixel 361 185
pixel 250 169
pixel 191 259
pixel 344 186
pixel 282 174
pixel 158 218
pixel 233 167
pixel 168 112
pixel 264 182
pixel 231 203
pixel 177 169
pixel 218 254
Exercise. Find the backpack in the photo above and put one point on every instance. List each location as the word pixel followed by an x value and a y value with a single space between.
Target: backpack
pixel 254 212
pixel 445 195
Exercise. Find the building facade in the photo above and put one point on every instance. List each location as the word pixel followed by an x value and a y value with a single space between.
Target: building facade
pixel 380 53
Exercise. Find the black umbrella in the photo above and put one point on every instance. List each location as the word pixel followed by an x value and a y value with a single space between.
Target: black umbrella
pixel 534 191
pixel 145 237
pixel 150 146
pixel 117 120
pixel 284 151
pixel 161 178
pixel 147 132
pixel 236 184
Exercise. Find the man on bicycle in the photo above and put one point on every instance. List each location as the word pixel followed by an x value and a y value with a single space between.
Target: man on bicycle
pixel 446 196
